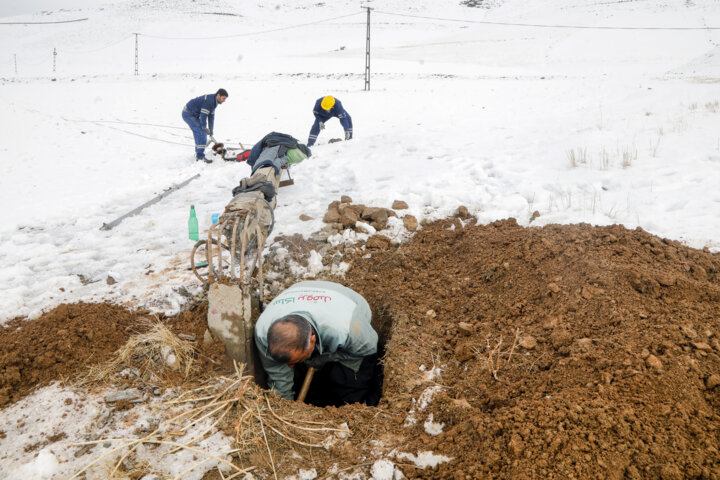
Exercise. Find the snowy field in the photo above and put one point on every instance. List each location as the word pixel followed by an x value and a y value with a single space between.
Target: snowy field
pixel 486 115
pixel 466 107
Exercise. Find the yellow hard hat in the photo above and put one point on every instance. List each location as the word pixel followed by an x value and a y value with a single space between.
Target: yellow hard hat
pixel 327 102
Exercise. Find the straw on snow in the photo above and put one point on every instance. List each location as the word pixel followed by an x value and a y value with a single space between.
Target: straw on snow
pixel 235 405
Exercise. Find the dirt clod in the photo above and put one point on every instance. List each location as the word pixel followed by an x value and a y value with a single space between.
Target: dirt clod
pixel 465 328
pixel 527 342
pixel 654 362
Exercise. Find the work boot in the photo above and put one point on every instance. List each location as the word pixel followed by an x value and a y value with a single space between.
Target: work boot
pixel 204 159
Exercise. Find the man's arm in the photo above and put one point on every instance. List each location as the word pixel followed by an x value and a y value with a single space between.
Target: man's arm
pixel 314 131
pixel 280 376
pixel 345 119
pixel 206 111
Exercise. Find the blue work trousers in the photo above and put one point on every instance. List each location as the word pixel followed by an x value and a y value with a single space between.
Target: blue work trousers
pixel 198 133
pixel 315 130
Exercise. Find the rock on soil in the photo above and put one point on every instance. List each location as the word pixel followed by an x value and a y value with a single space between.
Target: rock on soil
pixel 346 213
pixel 410 223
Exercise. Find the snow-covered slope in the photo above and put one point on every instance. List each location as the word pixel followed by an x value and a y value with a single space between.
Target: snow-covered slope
pixel 468 106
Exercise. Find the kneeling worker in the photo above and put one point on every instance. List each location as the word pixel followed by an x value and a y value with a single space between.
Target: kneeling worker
pixel 326 326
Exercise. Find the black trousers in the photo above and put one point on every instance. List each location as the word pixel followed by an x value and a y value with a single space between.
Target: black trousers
pixel 336 385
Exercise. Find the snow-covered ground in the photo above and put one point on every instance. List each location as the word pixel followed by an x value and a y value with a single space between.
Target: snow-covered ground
pixel 474 112
pixel 598 125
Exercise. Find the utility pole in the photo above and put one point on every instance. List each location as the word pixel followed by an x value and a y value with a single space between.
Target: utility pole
pixel 367 52
pixel 15 58
pixel 54 57
pixel 136 54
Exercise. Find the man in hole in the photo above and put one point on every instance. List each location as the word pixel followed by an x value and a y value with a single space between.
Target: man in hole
pixel 323 325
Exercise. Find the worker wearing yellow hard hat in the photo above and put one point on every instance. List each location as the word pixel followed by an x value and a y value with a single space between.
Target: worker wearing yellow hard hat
pixel 326 108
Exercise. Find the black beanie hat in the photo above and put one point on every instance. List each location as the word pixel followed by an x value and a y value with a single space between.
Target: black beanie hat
pixel 222 92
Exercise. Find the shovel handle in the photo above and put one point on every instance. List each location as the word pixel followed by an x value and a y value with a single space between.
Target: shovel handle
pixel 306 384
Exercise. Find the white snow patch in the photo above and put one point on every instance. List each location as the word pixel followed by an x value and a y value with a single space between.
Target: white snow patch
pixel 304 475
pixel 55 410
pixel 425 459
pixel 340 268
pixel 430 375
pixel 45 465
pixel 420 404
pixel 427 395
pixel 315 265
pixel 382 470
pixel 433 428
pixel 366 227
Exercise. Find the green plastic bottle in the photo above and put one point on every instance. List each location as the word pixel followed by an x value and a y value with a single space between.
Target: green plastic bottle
pixel 193 225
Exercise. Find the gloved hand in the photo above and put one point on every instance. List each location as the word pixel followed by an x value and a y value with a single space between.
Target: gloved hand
pixel 208 131
pixel 348 135
pixel 317 361
pixel 322 125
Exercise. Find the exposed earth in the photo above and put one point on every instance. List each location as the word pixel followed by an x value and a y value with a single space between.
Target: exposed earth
pixel 554 352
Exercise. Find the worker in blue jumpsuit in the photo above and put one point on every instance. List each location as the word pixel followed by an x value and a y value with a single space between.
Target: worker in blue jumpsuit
pixel 199 114
pixel 326 108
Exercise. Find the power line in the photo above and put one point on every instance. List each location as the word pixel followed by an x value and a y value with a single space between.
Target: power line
pixel 43 23
pixel 251 33
pixel 538 25
pixel 143 136
pixel 75 52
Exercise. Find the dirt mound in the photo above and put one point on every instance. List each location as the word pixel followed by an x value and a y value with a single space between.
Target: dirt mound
pixel 554 352
pixel 67 340
pixel 565 351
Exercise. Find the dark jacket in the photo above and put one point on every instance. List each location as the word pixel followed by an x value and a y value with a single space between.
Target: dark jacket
pixel 275 139
pixel 203 108
pixel 322 115
pixel 336 111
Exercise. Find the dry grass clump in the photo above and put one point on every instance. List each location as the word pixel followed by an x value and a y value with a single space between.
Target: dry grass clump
pixel 577 157
pixel 157 355
pixel 236 406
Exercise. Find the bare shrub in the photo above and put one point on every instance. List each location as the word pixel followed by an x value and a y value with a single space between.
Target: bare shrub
pixel 577 157
pixel 493 354
pixel 629 155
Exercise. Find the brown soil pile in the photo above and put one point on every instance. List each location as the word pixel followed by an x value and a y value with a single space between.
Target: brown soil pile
pixel 70 338
pixel 566 352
